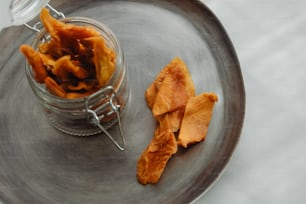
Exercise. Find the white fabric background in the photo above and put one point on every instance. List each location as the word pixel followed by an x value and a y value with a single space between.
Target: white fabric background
pixel 269 164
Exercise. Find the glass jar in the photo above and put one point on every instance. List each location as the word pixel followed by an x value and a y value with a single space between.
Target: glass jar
pixel 95 113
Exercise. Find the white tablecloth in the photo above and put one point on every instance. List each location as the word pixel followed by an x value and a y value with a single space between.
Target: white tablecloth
pixel 269 164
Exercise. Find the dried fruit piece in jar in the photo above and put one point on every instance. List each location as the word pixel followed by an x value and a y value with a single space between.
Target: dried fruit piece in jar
pixel 73 95
pixel 64 69
pixel 53 87
pixel 66 36
pixel 33 57
pixel 196 119
pixel 47 60
pixel 87 85
pixel 104 60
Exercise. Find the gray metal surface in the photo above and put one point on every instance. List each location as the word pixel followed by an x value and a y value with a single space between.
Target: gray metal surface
pixel 38 164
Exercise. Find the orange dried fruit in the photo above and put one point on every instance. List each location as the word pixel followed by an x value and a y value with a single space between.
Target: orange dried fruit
pixel 81 86
pixel 104 60
pixel 152 90
pixel 171 97
pixel 75 59
pixel 171 89
pixel 50 48
pixel 33 57
pixel 175 119
pixel 196 119
pixel 167 97
pixel 64 68
pixel 73 95
pixel 47 60
pixel 66 36
pixel 53 87
pixel 153 160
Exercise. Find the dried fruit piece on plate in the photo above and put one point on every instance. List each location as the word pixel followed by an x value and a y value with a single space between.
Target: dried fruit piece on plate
pixel 152 90
pixel 153 160
pixel 170 91
pixel 197 116
pixel 175 119
pixel 171 97
pixel 171 88
pixel 172 94
pixel 167 97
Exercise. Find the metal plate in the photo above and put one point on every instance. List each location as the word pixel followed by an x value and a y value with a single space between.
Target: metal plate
pixel 38 164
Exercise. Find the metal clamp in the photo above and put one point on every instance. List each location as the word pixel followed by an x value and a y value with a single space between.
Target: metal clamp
pixel 112 102
pixel 37 26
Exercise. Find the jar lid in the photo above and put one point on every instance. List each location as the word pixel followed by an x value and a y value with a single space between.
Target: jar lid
pixel 25 10
pixel 5 15
pixel 18 12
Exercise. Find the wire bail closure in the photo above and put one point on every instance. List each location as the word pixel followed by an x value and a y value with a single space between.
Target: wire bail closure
pixel 112 102
pixel 37 26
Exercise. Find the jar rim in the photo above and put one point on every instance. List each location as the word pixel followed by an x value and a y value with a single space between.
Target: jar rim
pixel 88 22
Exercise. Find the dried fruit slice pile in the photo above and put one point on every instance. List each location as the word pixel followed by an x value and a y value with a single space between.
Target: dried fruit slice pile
pixel 171 97
pixel 74 63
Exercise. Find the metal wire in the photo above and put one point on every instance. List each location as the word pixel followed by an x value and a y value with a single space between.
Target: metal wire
pixel 37 26
pixel 113 103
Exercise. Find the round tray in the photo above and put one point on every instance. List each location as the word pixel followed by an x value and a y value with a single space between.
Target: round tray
pixel 39 164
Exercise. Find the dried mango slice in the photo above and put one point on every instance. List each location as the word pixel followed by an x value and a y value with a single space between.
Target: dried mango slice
pixel 172 94
pixel 64 68
pixel 34 59
pixel 73 95
pixel 87 85
pixel 171 89
pixel 153 89
pixel 169 93
pixel 153 160
pixel 53 87
pixel 50 48
pixel 47 60
pixel 175 119
pixel 104 60
pixel 67 36
pixel 196 119
pixel 59 29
